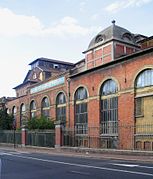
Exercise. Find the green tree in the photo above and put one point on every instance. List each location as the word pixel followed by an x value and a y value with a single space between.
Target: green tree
pixel 6 120
pixel 40 123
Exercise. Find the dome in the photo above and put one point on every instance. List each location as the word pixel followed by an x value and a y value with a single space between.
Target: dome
pixel 112 32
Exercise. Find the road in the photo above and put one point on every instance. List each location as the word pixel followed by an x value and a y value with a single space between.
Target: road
pixel 25 165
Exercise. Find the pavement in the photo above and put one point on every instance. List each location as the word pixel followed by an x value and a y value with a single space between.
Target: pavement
pixel 129 155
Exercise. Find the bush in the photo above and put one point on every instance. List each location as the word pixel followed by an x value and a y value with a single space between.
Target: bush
pixel 40 123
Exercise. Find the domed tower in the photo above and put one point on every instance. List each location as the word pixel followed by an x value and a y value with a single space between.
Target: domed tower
pixel 110 44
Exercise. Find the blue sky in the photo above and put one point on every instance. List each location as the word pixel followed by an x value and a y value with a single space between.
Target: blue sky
pixel 60 29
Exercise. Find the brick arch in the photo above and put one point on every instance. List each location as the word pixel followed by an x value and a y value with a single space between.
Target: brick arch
pixel 34 101
pixel 45 96
pixel 61 91
pixel 78 88
pixel 104 80
pixel 138 72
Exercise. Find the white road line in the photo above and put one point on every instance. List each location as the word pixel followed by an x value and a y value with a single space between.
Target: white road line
pixel 130 165
pixel 80 173
pixel 81 165
pixel 0 168
pixel 124 165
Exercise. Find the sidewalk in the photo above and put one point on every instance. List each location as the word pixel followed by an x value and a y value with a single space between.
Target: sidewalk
pixel 142 156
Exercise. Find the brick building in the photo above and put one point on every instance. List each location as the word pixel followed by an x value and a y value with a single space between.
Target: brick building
pixel 106 99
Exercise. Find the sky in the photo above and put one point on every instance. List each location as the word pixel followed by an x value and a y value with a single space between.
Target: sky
pixel 59 29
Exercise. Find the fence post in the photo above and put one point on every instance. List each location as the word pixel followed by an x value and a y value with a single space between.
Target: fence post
pixel 59 135
pixel 24 136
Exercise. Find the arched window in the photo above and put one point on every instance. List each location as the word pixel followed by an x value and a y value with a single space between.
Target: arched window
pixel 81 113
pixel 145 78
pixel 14 112
pixel 144 106
pixel 22 113
pixel 109 113
pixel 99 38
pixel 61 107
pixel 45 107
pixel 32 109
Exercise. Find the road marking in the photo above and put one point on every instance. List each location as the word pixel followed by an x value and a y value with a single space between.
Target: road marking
pixel 81 165
pixel 0 168
pixel 130 165
pixel 124 165
pixel 80 173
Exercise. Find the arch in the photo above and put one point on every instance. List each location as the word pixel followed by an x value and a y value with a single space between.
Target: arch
pixel 45 106
pixel 109 112
pixel 45 102
pixel 139 71
pixel 22 113
pixel 108 87
pixel 61 107
pixel 32 109
pixel 144 78
pixel 55 98
pixel 80 110
pixel 104 80
pixel 127 37
pixel 14 110
pixel 80 86
pixel 99 38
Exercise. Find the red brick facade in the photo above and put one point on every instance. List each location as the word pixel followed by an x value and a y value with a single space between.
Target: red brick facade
pixel 100 66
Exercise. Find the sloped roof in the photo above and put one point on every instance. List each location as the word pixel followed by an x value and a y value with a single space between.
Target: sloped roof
pixel 112 32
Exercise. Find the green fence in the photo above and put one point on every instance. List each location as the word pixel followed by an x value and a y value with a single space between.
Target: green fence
pixel 10 136
pixel 44 138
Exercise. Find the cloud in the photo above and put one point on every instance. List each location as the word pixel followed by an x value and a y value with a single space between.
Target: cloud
pixel 17 25
pixel 122 4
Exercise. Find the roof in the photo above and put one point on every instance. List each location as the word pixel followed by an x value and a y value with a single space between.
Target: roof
pixel 24 83
pixel 112 32
pixel 52 60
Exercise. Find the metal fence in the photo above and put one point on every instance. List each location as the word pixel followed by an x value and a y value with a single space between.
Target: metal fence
pixel 139 137
pixel 10 136
pixel 44 138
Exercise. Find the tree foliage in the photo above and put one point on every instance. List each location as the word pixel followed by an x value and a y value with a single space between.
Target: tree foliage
pixel 40 123
pixel 6 120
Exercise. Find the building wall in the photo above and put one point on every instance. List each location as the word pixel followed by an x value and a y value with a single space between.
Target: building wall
pixel 123 73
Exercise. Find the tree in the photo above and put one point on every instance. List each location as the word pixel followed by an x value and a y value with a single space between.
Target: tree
pixel 40 123
pixel 6 120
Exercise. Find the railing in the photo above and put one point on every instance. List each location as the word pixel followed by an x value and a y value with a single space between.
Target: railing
pixel 10 136
pixel 44 138
pixel 111 136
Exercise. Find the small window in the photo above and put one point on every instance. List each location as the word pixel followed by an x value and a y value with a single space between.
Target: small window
pixel 56 66
pixel 99 38
pixel 139 107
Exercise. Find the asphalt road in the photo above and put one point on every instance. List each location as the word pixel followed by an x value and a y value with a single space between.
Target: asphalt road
pixel 24 165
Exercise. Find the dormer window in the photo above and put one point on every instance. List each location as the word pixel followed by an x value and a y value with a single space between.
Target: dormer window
pixel 56 66
pixel 99 38
pixel 127 37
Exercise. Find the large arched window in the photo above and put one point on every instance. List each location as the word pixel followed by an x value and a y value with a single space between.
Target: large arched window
pixel 61 107
pixel 81 113
pixel 144 106
pixel 22 113
pixel 109 113
pixel 14 112
pixel 145 78
pixel 45 107
pixel 32 109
